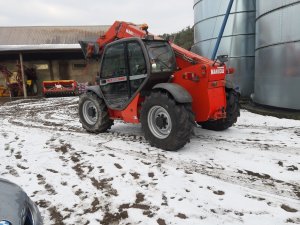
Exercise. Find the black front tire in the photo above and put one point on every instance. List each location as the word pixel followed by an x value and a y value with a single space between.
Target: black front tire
pixel 166 124
pixel 232 113
pixel 93 113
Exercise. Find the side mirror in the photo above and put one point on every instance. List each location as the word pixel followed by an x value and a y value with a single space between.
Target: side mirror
pixel 222 58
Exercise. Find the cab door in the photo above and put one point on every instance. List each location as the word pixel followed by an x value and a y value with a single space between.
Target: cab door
pixel 137 66
pixel 113 76
pixel 123 70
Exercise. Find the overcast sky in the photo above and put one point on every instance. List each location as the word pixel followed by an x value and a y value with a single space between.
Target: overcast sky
pixel 162 16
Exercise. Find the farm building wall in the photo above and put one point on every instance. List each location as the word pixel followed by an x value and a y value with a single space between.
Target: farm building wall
pixel 76 69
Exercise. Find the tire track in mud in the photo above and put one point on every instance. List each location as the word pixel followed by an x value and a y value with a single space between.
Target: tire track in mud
pixel 264 127
pixel 244 178
pixel 98 191
pixel 251 143
pixel 41 114
pixel 41 117
pixel 60 125
pixel 101 183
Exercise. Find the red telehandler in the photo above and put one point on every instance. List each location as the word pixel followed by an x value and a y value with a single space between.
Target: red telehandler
pixel 144 79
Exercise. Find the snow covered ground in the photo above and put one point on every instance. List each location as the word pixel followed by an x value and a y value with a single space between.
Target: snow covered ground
pixel 249 174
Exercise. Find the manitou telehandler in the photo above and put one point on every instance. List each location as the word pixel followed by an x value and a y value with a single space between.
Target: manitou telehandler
pixel 144 79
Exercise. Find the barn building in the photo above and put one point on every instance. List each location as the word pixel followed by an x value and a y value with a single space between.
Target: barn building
pixel 52 50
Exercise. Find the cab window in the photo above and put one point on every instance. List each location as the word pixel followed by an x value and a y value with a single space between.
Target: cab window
pixel 114 62
pixel 137 63
pixel 137 66
pixel 161 56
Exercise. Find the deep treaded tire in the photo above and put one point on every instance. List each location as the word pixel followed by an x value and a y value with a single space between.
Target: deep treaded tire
pixel 167 124
pixel 232 112
pixel 93 113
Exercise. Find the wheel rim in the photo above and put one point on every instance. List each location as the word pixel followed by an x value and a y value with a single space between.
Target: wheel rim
pixel 159 122
pixel 90 112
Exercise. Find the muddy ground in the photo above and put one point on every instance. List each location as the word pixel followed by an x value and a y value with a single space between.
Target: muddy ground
pixel 246 174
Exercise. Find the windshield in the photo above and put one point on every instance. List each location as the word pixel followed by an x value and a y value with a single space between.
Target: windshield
pixel 161 56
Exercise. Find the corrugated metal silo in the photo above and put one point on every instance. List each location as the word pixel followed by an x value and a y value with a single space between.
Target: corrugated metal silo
pixel 238 40
pixel 277 73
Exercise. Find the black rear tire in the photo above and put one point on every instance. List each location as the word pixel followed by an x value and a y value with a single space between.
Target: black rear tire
pixel 166 124
pixel 232 113
pixel 93 113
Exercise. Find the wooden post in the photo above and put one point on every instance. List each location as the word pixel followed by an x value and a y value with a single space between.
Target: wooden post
pixel 23 76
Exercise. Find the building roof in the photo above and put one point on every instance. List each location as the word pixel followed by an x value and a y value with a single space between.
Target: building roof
pixel 47 37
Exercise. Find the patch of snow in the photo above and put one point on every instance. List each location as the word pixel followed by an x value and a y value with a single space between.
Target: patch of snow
pixel 249 174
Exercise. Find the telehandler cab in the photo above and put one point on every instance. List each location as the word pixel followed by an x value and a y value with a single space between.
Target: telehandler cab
pixel 144 79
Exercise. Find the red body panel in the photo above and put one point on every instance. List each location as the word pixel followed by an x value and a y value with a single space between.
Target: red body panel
pixel 130 114
pixel 207 90
pixel 208 100
pixel 120 30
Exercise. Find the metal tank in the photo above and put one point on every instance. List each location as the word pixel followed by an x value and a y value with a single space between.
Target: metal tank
pixel 238 41
pixel 277 73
